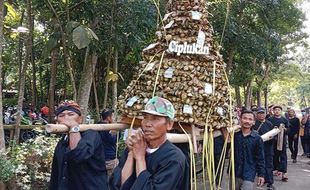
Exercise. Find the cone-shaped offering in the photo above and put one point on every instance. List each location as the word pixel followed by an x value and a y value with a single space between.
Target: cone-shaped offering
pixel 184 66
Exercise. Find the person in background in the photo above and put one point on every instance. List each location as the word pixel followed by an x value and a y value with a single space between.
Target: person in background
pixel 270 111
pixel 302 134
pixel 78 162
pixel 263 126
pixel 306 124
pixel 254 109
pixel 249 154
pixel 280 156
pixel 293 134
pixel 109 140
pixel 45 111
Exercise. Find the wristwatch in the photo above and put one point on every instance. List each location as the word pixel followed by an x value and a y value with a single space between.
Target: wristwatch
pixel 75 129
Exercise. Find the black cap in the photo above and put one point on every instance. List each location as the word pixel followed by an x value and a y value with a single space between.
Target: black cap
pixel 254 109
pixel 106 113
pixel 261 110
pixel 274 107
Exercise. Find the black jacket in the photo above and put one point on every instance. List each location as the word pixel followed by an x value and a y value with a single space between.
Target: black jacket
pixel 82 168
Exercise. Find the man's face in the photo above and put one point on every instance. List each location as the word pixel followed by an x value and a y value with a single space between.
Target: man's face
pixel 261 116
pixel 69 116
pixel 277 112
pixel 110 119
pixel 270 110
pixel 155 127
pixel 291 113
pixel 247 120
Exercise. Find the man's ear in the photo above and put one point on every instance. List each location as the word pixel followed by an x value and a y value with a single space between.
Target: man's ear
pixel 80 120
pixel 170 125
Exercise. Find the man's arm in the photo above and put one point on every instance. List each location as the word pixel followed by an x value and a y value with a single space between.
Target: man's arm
pixel 260 161
pixel 85 146
pixel 168 176
pixel 128 168
pixel 139 151
pixel 74 139
pixel 53 184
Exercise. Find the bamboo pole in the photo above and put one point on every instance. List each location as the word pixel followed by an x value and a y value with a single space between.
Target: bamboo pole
pixel 57 128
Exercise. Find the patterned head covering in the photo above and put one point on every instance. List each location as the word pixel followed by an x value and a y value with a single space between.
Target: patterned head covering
pixel 159 106
pixel 69 105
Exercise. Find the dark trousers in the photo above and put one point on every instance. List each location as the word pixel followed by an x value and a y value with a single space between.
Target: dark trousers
pixel 293 145
pixel 268 150
pixel 280 158
pixel 307 139
pixel 303 140
pixel 218 147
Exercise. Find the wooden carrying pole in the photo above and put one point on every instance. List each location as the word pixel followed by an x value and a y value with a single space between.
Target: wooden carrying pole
pixel 57 128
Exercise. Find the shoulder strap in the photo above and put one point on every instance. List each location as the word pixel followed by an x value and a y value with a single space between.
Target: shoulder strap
pixel 260 126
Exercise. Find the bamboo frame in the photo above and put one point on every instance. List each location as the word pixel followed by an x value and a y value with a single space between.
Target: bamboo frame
pixel 172 137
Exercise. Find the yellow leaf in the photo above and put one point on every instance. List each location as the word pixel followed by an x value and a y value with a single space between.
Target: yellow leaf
pixel 11 10
pixel 112 76
pixel 13 35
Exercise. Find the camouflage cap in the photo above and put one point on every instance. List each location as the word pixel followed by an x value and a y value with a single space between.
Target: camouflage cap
pixel 159 106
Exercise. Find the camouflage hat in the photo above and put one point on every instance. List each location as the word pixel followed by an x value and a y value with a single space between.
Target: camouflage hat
pixel 159 106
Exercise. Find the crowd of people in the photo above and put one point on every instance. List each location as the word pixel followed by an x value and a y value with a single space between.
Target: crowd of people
pixel 87 159
pixel 274 150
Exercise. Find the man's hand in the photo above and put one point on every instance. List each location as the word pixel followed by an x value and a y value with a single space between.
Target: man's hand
pixel 113 132
pixel 139 151
pixel 260 181
pixel 139 146
pixel 69 122
pixel 131 139
pixel 295 136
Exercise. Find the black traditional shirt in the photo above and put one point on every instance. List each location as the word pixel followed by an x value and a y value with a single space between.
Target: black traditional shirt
pixel 167 169
pixel 82 168
pixel 294 126
pixel 249 156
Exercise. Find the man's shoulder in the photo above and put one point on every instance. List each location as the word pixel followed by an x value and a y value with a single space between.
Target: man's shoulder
pixel 90 133
pixel 255 134
pixel 268 124
pixel 173 151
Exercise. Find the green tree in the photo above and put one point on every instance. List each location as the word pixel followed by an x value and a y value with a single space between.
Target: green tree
pixel 2 141
pixel 255 35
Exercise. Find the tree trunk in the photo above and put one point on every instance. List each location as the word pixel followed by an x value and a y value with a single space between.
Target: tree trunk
pixel 248 95
pixel 34 78
pixel 42 93
pixel 230 60
pixel 106 88
pixel 67 53
pixel 51 99
pixel 22 77
pixel 2 141
pixel 266 97
pixel 259 98
pixel 69 65
pixel 238 96
pixel 86 81
pixel 114 84
pixel 2 186
pixel 111 48
pixel 96 98
pixel 20 47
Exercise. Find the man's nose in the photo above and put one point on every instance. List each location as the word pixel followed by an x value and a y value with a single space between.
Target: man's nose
pixel 147 123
